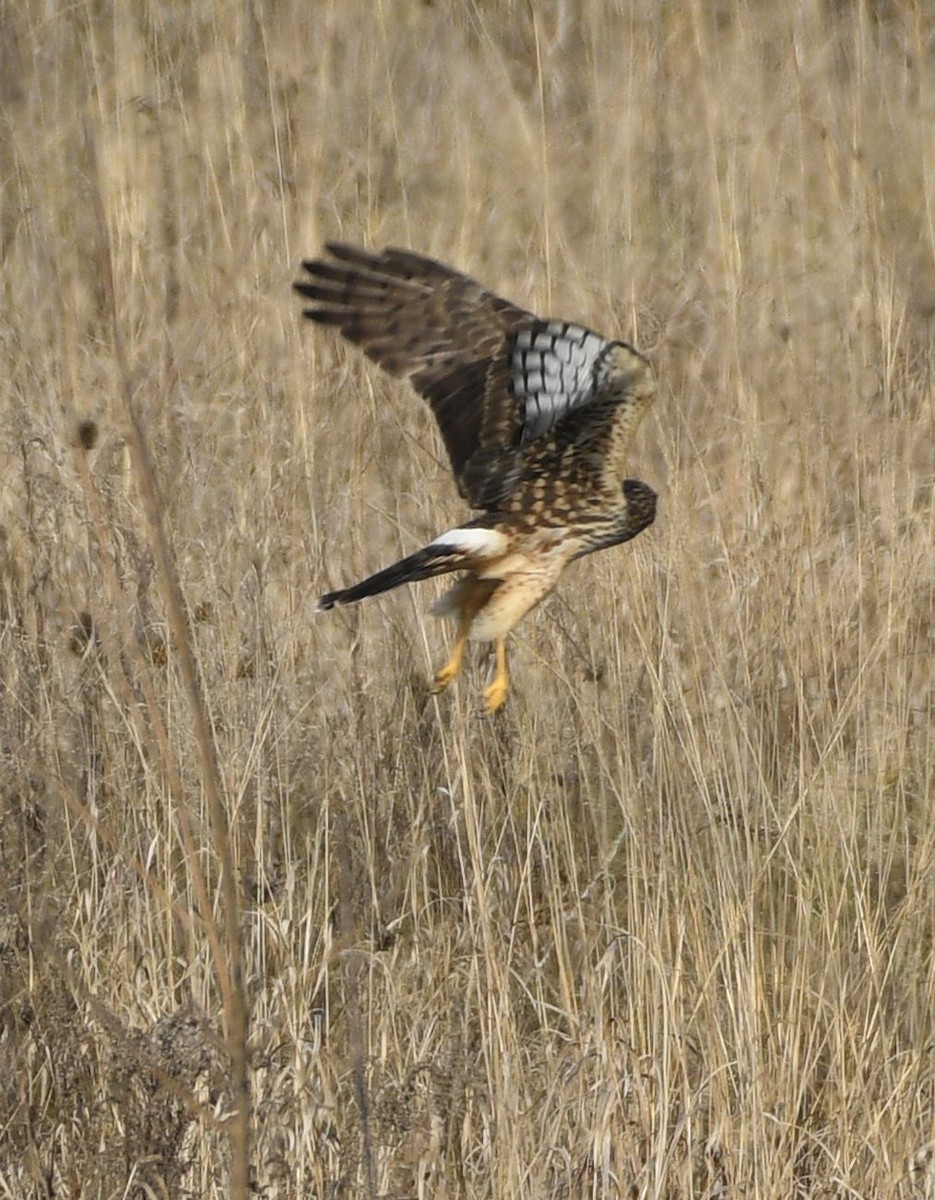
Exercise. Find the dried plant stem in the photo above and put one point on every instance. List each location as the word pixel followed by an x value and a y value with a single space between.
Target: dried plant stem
pixel 227 948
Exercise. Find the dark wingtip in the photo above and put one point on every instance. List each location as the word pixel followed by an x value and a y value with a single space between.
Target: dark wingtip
pixel 313 291
pixel 318 269
pixel 327 602
pixel 341 249
pixel 325 316
pixel 304 288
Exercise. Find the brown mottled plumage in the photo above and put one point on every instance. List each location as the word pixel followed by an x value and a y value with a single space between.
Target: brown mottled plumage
pixel 536 417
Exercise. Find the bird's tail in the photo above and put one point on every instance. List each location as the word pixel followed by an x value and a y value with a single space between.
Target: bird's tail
pixel 454 551
pixel 432 560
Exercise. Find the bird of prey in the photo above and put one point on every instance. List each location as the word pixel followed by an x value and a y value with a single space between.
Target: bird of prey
pixel 536 416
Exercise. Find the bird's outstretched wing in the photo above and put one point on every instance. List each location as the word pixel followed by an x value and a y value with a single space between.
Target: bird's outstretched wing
pixel 497 377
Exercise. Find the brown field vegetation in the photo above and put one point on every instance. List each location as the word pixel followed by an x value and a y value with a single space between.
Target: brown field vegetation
pixel 664 927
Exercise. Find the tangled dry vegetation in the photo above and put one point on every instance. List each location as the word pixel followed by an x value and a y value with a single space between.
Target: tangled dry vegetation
pixel 665 928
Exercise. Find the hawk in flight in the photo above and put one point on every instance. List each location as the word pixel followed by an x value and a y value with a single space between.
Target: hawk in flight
pixel 536 416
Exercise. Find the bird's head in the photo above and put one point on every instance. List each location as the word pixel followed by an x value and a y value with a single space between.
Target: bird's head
pixel 641 502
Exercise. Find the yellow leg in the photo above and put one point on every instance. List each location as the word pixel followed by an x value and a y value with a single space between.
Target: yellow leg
pixel 451 668
pixel 495 695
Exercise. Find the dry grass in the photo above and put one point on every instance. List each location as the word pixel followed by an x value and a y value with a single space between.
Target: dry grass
pixel 665 928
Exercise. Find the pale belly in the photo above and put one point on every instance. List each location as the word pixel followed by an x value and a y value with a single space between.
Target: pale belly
pixel 510 603
pixel 528 580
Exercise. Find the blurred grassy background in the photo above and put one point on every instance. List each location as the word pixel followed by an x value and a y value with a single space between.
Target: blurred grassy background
pixel 665 928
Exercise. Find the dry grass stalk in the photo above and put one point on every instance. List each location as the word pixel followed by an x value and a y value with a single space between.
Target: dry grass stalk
pixel 665 927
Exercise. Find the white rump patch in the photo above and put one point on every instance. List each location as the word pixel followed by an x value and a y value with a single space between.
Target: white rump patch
pixel 479 543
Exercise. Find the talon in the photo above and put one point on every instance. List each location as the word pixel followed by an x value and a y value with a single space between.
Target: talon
pixel 495 694
pixel 451 668
pixel 444 677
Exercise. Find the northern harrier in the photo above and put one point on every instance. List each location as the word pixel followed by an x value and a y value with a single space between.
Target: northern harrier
pixel 536 417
